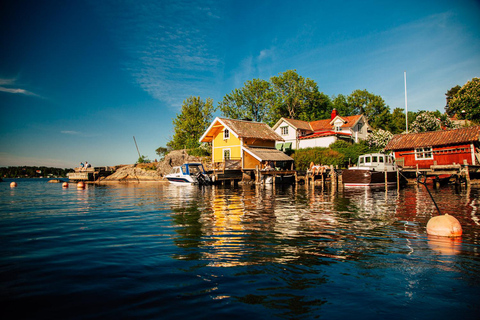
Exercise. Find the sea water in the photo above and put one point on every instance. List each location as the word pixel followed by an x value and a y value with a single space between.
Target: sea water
pixel 157 251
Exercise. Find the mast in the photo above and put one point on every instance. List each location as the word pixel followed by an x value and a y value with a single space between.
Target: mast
pixel 406 109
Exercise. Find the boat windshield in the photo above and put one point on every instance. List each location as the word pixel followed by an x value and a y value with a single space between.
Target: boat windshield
pixel 195 168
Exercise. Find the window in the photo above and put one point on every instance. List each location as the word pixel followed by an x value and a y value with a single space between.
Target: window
pixel 226 154
pixel 374 159
pixel 226 134
pixel 284 131
pixel 338 128
pixel 423 153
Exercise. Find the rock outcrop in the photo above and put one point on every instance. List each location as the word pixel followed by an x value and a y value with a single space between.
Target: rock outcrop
pixel 152 171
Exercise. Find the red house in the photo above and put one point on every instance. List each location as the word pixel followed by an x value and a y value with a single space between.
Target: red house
pixel 447 147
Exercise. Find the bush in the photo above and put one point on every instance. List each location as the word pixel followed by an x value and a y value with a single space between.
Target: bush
pixel 323 156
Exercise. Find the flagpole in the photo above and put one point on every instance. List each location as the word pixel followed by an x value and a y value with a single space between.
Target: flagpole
pixel 406 109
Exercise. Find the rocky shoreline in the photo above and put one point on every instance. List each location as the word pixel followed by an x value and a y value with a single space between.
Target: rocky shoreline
pixel 152 172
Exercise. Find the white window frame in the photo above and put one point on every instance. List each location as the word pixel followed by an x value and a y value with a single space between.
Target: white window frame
pixel 226 134
pixel 425 153
pixel 284 130
pixel 229 154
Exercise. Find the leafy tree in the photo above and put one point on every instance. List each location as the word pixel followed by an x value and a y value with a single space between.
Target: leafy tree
pixel 450 95
pixel 191 123
pixel 253 101
pixel 162 152
pixel 397 121
pixel 426 121
pixel 297 97
pixel 143 159
pixel 466 102
pixel 372 106
pixel 431 121
pixel 378 139
pixel 341 104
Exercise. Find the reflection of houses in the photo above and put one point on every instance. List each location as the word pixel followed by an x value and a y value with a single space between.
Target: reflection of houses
pixel 447 147
pixel 243 145
pixel 299 134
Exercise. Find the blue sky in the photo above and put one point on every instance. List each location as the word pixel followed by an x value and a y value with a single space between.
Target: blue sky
pixel 79 79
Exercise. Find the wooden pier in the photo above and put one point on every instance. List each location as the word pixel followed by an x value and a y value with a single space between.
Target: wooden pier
pixel 90 174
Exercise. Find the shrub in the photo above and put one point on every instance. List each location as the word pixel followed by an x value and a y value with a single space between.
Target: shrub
pixel 324 156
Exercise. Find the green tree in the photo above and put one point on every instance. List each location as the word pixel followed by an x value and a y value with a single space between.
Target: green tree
pixel 466 102
pixel 297 97
pixel 449 96
pixel 253 101
pixel 426 121
pixel 397 122
pixel 341 104
pixel 191 123
pixel 372 106
pixel 162 152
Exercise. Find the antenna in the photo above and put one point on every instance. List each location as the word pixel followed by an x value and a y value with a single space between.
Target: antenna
pixel 136 146
pixel 406 109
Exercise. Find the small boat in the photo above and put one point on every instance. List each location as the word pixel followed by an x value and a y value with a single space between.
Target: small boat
pixel 374 169
pixel 188 174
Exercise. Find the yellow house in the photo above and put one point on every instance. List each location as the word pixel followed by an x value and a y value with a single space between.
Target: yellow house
pixel 243 144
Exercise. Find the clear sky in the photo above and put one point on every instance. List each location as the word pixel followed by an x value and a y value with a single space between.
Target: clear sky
pixel 79 79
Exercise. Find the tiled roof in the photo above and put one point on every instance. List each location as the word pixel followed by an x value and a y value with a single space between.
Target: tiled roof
pixel 325 134
pixel 251 129
pixel 299 124
pixel 324 125
pixel 434 138
pixel 268 154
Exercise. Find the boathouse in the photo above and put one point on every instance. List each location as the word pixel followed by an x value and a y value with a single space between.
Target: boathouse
pixel 437 148
pixel 298 134
pixel 244 145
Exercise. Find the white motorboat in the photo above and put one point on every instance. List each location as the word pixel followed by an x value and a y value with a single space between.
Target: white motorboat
pixel 188 174
pixel 373 169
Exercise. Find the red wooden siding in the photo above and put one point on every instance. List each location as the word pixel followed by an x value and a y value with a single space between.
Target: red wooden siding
pixel 442 155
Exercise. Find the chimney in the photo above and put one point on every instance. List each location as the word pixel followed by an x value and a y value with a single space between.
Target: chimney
pixel 334 114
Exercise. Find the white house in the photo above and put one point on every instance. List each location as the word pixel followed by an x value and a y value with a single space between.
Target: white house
pixel 321 133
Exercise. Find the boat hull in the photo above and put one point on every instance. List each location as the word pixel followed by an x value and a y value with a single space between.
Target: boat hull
pixel 354 178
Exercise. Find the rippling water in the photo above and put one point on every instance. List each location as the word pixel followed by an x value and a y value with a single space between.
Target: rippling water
pixel 161 252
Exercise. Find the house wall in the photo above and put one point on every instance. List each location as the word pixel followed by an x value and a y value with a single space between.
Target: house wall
pixel 249 162
pixel 219 145
pixel 290 137
pixel 316 142
pixel 445 155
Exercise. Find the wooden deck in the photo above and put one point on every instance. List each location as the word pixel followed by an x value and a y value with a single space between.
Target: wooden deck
pixel 90 174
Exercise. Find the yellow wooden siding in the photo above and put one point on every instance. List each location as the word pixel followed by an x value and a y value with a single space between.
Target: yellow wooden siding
pixel 249 162
pixel 219 144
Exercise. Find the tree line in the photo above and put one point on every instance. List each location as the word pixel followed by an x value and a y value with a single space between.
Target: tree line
pixel 292 96
pixel 33 172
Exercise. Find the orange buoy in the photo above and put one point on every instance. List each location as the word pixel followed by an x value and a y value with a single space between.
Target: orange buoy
pixel 65 184
pixel 13 184
pixel 445 226
pixel 444 245
pixel 81 185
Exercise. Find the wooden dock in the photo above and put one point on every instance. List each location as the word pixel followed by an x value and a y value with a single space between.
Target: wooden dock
pixel 90 174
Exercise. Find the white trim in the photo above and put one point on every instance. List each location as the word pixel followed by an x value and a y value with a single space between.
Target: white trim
pixel 423 152
pixel 229 151
pixel 223 147
pixel 473 153
pixel 211 126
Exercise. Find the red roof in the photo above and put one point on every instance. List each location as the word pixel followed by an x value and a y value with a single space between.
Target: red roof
pixel 434 138
pixel 325 134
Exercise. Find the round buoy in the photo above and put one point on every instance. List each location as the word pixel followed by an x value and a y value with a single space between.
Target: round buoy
pixel 13 184
pixel 65 184
pixel 81 185
pixel 445 226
